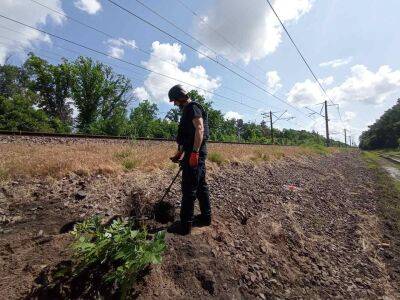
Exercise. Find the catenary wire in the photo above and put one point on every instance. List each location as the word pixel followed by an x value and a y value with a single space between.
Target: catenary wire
pixel 205 55
pixel 301 55
pixel 124 61
pixel 140 49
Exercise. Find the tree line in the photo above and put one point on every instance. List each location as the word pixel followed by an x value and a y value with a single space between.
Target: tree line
pixel 40 96
pixel 385 132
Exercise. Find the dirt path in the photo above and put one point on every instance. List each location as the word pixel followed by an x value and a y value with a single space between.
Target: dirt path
pixel 304 228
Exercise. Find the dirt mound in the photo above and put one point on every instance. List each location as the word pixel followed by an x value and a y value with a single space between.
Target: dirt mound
pixel 304 228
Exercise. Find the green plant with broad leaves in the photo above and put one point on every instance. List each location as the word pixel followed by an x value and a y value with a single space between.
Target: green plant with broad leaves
pixel 126 250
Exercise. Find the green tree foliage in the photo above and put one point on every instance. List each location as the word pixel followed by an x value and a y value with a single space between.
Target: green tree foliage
pixel 385 132
pixel 53 85
pixel 141 120
pixel 38 97
pixel 18 113
pixel 101 97
pixel 13 80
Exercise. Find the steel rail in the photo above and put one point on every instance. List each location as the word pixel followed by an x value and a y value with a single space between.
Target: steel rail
pixel 109 137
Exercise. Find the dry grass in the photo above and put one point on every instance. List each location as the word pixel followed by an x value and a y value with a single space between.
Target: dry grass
pixel 93 157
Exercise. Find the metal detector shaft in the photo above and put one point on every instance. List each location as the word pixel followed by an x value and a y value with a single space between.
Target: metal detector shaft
pixel 169 188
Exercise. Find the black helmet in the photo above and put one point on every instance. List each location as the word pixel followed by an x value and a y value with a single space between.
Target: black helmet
pixel 177 92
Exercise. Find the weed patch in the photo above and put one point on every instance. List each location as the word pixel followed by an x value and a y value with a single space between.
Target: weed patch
pixel 129 164
pixel 124 250
pixel 216 157
pixel 3 174
pixel 316 148
pixel 123 154
pixel 260 155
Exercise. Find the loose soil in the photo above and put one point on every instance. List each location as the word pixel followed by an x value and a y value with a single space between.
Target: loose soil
pixel 303 227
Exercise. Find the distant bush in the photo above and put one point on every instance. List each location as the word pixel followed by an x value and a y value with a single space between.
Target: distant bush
pixel 126 251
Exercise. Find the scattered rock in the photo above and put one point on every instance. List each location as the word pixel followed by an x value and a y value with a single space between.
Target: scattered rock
pixel 80 195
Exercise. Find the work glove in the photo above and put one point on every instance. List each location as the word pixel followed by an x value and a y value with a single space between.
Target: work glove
pixel 194 159
pixel 177 157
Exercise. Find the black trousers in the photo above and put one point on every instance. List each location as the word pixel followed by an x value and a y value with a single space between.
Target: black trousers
pixel 194 186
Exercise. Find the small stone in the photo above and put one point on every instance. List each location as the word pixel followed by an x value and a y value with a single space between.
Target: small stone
pixel 80 195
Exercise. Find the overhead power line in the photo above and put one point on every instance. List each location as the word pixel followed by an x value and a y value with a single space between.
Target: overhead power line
pixel 203 54
pixel 122 60
pixel 198 41
pixel 140 49
pixel 225 39
pixel 301 55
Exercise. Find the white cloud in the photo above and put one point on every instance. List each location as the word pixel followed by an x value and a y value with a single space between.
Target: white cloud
pixel 362 86
pixel 349 115
pixel 233 115
pixel 166 59
pixel 141 94
pixel 116 46
pixel 252 29
pixel 274 81
pixel 35 15
pixel 366 86
pixel 336 62
pixel 89 6
pixel 308 92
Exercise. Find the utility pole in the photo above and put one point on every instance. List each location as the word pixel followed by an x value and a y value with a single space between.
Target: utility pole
pixel 350 141
pixel 272 128
pixel 326 124
pixel 345 137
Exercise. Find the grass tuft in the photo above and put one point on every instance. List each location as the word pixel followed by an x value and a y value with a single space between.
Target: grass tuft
pixel 317 148
pixel 3 175
pixel 123 154
pixel 129 164
pixel 216 157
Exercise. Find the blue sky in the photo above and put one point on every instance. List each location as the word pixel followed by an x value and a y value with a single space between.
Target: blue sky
pixel 351 46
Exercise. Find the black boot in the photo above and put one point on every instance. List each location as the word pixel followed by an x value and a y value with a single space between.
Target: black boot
pixel 201 221
pixel 181 228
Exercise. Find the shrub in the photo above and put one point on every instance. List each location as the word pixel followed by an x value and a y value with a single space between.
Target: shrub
pixel 125 250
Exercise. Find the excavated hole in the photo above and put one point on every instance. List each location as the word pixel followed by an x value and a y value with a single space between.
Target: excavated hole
pixel 68 227
pixel 164 212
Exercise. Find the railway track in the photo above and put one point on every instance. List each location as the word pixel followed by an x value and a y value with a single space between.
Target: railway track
pixel 395 158
pixel 107 137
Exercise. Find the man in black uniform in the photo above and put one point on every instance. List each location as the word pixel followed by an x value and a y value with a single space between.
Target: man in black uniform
pixel 192 135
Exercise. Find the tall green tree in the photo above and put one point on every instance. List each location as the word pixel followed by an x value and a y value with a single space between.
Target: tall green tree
pixel 141 119
pixel 18 113
pixel 100 96
pixel 53 85
pixel 385 132
pixel 13 80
